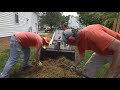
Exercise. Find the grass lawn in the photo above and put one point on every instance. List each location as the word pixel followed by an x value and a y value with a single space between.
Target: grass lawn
pixel 16 71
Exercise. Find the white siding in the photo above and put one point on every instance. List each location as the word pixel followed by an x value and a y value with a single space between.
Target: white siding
pixel 73 22
pixel 34 22
pixel 8 26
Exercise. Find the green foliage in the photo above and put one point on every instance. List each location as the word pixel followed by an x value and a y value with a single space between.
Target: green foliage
pixel 53 19
pixel 3 58
pixel 104 18
pixel 50 18
pixel 109 22
pixel 102 71
pixel 64 20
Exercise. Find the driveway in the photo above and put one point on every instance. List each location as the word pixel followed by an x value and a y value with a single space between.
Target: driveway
pixel 42 33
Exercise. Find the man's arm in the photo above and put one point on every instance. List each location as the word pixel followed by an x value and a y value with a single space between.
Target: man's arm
pixel 114 69
pixel 36 54
pixel 78 59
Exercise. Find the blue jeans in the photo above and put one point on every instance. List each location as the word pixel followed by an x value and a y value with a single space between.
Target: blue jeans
pixel 15 49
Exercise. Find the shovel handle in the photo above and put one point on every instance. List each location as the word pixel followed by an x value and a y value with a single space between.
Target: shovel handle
pixel 77 71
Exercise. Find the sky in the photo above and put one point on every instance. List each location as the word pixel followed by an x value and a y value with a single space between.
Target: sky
pixel 70 13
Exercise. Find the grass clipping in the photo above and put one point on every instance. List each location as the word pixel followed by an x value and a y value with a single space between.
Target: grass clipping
pixel 52 69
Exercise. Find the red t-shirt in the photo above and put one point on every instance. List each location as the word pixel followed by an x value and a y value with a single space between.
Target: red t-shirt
pixel 29 39
pixel 96 38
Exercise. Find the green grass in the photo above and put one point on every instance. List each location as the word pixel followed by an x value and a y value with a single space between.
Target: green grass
pixel 16 73
pixel 82 63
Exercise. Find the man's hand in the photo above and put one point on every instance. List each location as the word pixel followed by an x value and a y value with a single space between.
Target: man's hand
pixel 73 68
pixel 40 63
pixel 36 63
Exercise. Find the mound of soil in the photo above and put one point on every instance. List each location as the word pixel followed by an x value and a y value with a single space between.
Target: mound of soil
pixel 52 69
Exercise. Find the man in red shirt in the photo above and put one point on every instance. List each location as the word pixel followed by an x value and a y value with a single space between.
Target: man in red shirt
pixel 23 41
pixel 100 39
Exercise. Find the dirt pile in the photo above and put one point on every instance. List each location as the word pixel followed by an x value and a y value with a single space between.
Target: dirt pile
pixel 53 69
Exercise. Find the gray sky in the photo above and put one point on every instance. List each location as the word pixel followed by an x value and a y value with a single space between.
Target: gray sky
pixel 70 13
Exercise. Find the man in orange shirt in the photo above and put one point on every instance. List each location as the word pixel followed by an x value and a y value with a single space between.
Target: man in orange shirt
pixel 100 39
pixel 23 41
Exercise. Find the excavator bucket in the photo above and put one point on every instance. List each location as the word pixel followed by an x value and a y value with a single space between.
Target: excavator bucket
pixel 53 54
pixel 57 48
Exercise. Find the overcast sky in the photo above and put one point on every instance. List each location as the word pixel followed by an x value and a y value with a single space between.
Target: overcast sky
pixel 70 13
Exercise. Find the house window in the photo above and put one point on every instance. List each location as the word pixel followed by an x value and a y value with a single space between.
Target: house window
pixel 16 18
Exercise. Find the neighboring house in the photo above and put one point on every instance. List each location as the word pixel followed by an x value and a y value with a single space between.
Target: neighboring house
pixel 11 22
pixel 74 22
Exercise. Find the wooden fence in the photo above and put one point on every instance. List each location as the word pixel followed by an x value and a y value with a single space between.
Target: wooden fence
pixel 116 25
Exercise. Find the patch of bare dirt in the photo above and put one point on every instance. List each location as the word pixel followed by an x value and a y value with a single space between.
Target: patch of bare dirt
pixel 4 43
pixel 52 69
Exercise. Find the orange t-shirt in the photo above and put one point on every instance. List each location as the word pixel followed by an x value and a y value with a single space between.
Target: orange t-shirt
pixel 29 39
pixel 97 38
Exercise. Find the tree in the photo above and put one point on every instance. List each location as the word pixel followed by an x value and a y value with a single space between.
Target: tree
pixel 51 19
pixel 104 18
pixel 64 20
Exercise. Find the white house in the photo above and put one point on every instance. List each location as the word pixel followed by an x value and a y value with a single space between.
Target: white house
pixel 11 22
pixel 74 22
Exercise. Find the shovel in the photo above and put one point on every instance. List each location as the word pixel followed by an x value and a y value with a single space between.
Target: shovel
pixel 75 70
